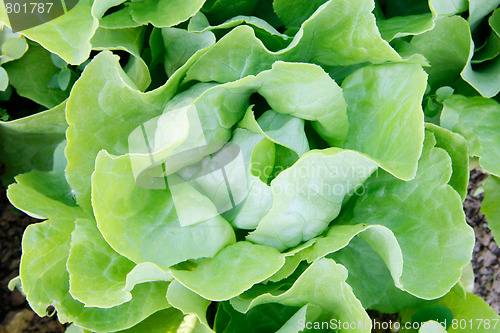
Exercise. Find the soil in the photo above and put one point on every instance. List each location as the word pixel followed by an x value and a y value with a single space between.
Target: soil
pixel 485 262
pixel 17 317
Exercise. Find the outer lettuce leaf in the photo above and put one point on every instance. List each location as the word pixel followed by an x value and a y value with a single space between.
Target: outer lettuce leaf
pixel 322 285
pixel 43 194
pixel 70 33
pixel 102 106
pixel 381 257
pixel 168 320
pixel 478 120
pixel 46 282
pixel 35 86
pixel 431 249
pixel 385 115
pixel 355 39
pixel 232 271
pixel 29 143
pixel 308 195
pixel 490 206
pixel 366 255
pixel 469 309
pixel 150 219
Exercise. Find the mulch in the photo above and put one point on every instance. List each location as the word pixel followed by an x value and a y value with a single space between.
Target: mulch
pixel 17 317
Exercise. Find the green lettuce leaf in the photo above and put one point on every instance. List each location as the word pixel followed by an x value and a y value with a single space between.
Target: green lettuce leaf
pixel 232 271
pixel 36 86
pixel 385 115
pixel 100 283
pixel 446 47
pixel 351 38
pixel 131 41
pixel 322 285
pixel 45 281
pixel 308 195
pixel 181 45
pixel 469 313
pixel 490 206
pixel 456 146
pixel 45 194
pixel 478 120
pixel 164 13
pixel 429 270
pixel 151 219
pixel 29 143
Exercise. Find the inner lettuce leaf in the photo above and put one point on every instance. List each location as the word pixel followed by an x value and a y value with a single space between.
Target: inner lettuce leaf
pixel 456 146
pixel 351 38
pixel 131 41
pixel 385 115
pixel 308 195
pixel 164 13
pixel 270 37
pixel 416 21
pixel 310 94
pixel 151 219
pixel 181 45
pixel 447 56
pixel 103 104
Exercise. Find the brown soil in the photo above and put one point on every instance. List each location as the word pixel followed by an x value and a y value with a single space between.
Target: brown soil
pixel 17 317
pixel 485 261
